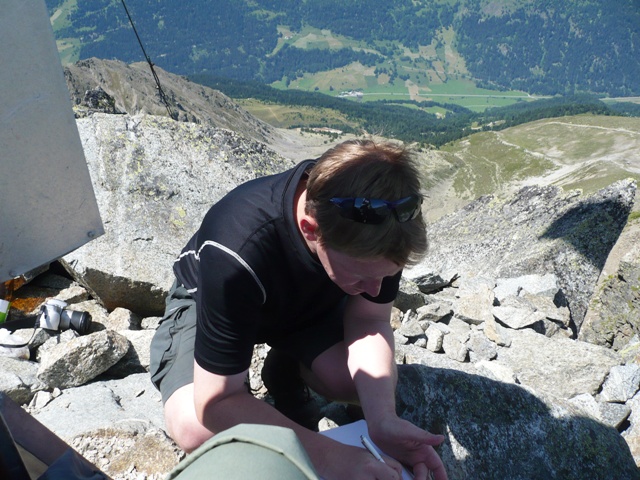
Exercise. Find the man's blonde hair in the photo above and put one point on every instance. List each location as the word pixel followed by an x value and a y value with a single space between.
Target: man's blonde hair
pixel 364 168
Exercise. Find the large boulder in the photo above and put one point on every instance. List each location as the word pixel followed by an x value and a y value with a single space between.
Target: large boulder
pixel 77 361
pixel 132 403
pixel 557 366
pixel 613 318
pixel 154 180
pixel 498 430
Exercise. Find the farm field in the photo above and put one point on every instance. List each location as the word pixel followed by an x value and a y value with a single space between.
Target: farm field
pixel 435 72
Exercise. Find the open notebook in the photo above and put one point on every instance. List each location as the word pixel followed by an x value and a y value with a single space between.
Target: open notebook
pixel 350 435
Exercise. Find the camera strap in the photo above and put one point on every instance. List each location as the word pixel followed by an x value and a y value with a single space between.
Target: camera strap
pixel 19 345
pixel 13 325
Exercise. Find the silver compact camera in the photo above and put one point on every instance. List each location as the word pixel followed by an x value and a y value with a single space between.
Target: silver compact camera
pixel 55 316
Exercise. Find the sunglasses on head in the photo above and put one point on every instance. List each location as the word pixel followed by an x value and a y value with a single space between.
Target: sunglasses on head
pixel 375 210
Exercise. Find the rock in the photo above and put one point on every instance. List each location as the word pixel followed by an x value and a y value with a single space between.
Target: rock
pixel 40 399
pixel 496 371
pixel 400 339
pixel 123 319
pixel 557 366
pixel 497 333
pixel 429 281
pixel 587 404
pixel 475 301
pixel 480 347
pixel 632 434
pixel 112 86
pixel 409 297
pixel 556 321
pixel 145 455
pixel 18 379
pixel 631 352
pixel 79 360
pixel 454 348
pixel 434 312
pixel 411 354
pixel 142 170
pixel 137 358
pixel 611 414
pixel 535 284
pixel 396 318
pixel 74 293
pixel 54 341
pixel 496 430
pixel 614 414
pixel 410 327
pixel 517 313
pixel 97 100
pixel 131 404
pixel 150 323
pixel 622 383
pixel 613 317
pixel 435 336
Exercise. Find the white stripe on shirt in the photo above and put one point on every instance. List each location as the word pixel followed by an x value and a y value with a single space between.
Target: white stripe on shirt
pixel 234 255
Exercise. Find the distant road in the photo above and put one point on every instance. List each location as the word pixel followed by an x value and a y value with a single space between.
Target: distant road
pixel 533 97
pixel 623 99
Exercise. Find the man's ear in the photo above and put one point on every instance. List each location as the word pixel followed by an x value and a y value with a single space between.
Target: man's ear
pixel 309 226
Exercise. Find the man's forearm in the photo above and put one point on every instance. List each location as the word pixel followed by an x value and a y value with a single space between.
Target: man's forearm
pixel 372 366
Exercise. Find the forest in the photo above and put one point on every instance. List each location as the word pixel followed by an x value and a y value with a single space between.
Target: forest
pixel 538 46
pixel 583 46
pixel 415 125
pixel 292 62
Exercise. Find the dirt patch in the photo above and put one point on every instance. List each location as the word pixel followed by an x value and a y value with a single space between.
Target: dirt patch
pixel 297 145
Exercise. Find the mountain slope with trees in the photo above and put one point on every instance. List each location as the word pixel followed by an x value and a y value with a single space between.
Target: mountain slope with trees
pixel 537 46
pixel 414 124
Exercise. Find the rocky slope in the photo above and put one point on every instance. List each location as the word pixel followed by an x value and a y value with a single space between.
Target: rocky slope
pixel 489 320
pixel 131 89
pixel 505 322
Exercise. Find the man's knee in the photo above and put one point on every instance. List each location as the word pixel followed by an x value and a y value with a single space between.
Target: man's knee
pixel 330 376
pixel 182 423
pixel 188 435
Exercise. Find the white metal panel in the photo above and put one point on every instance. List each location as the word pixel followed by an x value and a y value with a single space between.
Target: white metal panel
pixel 47 204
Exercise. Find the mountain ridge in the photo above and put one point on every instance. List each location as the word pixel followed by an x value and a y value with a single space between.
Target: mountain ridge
pixel 576 152
pixel 134 91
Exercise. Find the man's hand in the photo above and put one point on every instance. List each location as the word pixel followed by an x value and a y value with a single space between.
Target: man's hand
pixel 355 463
pixel 410 445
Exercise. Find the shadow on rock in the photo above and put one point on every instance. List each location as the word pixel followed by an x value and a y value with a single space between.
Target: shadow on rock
pixel 495 430
pixel 577 225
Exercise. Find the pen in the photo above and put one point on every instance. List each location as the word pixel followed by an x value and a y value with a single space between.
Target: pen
pixel 367 444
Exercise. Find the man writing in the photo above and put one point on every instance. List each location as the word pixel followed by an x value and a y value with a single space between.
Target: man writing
pixel 308 261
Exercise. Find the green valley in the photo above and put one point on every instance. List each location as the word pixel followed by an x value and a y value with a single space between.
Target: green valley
pixel 478 54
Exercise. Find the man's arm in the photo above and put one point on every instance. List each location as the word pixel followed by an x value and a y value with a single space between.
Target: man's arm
pixel 222 402
pixel 369 339
pixel 371 362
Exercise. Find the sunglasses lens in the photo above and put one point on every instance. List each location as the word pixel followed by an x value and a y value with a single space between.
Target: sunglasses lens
pixel 379 207
pixel 408 209
pixel 347 204
pixel 366 211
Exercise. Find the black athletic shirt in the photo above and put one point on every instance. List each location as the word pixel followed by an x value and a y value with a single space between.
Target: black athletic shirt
pixel 252 275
